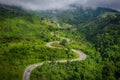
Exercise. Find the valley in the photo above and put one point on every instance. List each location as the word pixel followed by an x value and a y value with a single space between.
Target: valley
pixel 73 44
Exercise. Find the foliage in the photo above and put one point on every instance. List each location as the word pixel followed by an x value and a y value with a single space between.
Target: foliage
pixel 104 32
pixel 24 34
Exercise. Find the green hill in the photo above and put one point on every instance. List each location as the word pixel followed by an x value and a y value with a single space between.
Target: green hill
pixel 24 34
pixel 104 33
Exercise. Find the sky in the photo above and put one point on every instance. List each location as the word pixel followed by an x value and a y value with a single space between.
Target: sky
pixel 62 4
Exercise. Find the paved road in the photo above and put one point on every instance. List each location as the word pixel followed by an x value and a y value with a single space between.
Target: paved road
pixel 26 75
pixel 50 44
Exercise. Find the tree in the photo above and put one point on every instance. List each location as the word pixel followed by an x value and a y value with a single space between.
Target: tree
pixel 63 42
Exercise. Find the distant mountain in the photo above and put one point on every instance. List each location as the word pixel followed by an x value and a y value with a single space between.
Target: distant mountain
pixel 80 15
pixel 77 15
pixel 11 11
pixel 105 25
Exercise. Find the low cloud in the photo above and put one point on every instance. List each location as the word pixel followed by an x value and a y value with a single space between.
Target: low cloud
pixel 61 4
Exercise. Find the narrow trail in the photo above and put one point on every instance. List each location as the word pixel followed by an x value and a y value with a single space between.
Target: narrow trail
pixel 27 72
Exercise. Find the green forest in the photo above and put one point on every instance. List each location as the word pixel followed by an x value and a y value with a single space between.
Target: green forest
pixel 24 35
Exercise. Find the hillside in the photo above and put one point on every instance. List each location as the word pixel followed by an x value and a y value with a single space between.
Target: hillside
pixel 77 15
pixel 80 15
pixel 101 27
pixel 104 32
pixel 25 34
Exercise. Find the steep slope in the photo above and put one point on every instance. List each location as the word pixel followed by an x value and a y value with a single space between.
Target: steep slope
pixel 104 32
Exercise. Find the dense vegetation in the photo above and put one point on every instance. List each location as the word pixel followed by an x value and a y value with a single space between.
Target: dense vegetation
pixel 91 68
pixel 24 34
pixel 104 32
pixel 101 27
pixel 23 37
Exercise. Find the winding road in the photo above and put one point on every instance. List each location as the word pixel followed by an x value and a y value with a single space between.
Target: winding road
pixel 27 72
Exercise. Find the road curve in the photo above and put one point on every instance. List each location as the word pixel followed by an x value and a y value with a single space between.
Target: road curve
pixel 27 72
pixel 50 44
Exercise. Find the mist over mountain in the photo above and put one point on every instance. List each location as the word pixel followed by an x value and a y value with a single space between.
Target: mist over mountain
pixel 62 4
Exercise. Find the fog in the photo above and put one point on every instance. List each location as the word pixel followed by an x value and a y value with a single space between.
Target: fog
pixel 62 4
